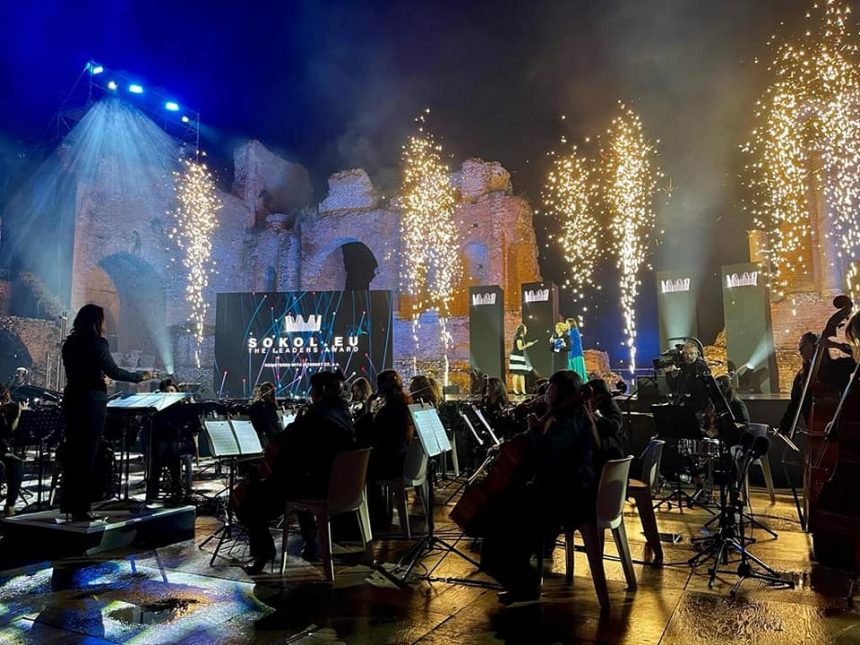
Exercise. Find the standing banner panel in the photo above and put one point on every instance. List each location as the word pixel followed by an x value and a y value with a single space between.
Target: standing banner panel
pixel 287 337
pixel 676 306
pixel 749 332
pixel 487 330
pixel 540 314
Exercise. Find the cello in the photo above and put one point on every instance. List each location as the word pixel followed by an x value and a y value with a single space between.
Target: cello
pixel 834 519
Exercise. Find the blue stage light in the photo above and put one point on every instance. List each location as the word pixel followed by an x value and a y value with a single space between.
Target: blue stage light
pixel 95 68
pixel 111 85
pixel 185 119
pixel 173 106
pixel 134 88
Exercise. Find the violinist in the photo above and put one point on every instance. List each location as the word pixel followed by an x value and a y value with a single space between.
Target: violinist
pixel 609 422
pixel 388 432
pixel 360 391
pixel 557 491
pixel 300 462
pixel 11 466
pixel 423 390
pixel 263 413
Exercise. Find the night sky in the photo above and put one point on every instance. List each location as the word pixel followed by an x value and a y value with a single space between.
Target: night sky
pixel 336 85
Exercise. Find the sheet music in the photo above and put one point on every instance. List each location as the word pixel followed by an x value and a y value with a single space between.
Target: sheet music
pixel 149 400
pixel 222 440
pixel 439 430
pixel 424 428
pixel 486 425
pixel 246 437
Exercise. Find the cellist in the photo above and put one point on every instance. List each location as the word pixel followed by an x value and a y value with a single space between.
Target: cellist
pixel 558 490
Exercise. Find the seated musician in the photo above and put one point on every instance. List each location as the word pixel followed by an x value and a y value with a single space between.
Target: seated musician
pixel 559 493
pixel 739 409
pixel 609 422
pixel 833 371
pixel 263 413
pixel 686 382
pixel 423 390
pixel 11 466
pixel 172 447
pixel 388 432
pixel 299 463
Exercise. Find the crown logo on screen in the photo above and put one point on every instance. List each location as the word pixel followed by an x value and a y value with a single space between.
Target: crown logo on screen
pixel 479 299
pixel 745 279
pixel 675 286
pixel 538 295
pixel 297 324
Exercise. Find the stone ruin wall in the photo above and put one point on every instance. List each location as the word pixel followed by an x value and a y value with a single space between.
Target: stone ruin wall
pixel 270 236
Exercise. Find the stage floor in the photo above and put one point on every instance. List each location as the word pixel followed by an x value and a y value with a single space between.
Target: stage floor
pixel 171 594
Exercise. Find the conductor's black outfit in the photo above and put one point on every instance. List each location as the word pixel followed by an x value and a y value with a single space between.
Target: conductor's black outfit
pixel 87 360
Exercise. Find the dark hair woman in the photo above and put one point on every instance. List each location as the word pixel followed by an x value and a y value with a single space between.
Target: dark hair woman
pixel 518 364
pixel 388 432
pixel 87 359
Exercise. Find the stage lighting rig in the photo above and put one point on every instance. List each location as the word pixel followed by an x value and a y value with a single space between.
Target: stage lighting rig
pixel 97 81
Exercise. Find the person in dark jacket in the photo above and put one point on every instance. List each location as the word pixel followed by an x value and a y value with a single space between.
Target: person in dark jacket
pixel 609 421
pixel 303 456
pixel 263 413
pixel 11 466
pixel 561 493
pixel 87 360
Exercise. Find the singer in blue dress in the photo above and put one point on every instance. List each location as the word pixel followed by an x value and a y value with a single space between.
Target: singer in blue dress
pixel 575 355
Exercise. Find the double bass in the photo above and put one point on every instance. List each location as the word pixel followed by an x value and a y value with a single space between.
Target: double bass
pixel 834 518
pixel 825 399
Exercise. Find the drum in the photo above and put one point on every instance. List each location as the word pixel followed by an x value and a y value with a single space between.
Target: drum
pixel 706 448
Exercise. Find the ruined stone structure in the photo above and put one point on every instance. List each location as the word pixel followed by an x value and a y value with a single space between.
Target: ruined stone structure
pixel 271 236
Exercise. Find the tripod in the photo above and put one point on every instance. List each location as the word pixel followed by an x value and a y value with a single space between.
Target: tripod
pixel 230 530
pixel 431 542
pixel 730 537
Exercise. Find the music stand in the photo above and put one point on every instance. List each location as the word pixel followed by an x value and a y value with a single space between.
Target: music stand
pixel 230 441
pixel 674 423
pixel 41 426
pixel 434 441
pixel 145 404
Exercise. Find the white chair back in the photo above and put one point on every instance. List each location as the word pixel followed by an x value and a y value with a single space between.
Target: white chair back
pixel 415 465
pixel 347 480
pixel 612 492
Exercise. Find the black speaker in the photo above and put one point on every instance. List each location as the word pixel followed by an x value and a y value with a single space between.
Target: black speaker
pixel 676 306
pixel 749 332
pixel 540 314
pixel 487 330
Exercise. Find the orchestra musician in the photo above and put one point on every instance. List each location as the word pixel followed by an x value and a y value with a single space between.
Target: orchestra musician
pixel 422 389
pixel 556 491
pixel 300 461
pixel 739 409
pixel 11 466
pixel 87 361
pixel 686 381
pixel 833 371
pixel 388 431
pixel 360 392
pixel 609 422
pixel 263 413
pixel 171 446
